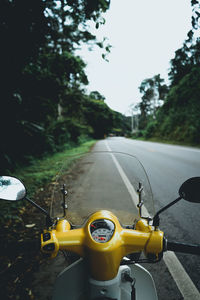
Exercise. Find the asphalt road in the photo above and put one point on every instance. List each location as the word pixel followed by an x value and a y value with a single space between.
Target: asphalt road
pixel 167 166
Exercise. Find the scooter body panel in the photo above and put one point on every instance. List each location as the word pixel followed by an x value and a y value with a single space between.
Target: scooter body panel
pixel 73 283
pixel 145 286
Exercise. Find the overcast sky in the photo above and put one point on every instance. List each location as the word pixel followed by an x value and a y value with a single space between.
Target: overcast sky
pixel 145 35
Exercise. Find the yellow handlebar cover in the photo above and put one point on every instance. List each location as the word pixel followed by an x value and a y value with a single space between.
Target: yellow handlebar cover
pixel 104 258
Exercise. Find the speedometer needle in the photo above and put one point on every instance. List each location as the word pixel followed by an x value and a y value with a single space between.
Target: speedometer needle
pixel 100 238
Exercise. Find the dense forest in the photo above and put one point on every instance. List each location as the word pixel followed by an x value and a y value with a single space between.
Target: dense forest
pixel 44 103
pixel 172 112
pixel 46 115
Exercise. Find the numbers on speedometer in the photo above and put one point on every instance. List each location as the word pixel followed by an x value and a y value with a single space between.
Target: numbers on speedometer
pixel 102 230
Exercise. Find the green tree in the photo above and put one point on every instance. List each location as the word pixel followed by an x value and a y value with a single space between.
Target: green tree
pixel 96 96
pixel 153 92
pixel 178 119
pixel 39 70
pixel 183 62
pixel 188 55
pixel 121 124
pixel 196 14
pixel 99 116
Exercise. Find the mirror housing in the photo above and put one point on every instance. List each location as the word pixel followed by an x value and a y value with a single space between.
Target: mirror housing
pixel 11 189
pixel 190 190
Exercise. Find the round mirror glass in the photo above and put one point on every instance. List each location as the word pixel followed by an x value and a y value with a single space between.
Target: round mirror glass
pixel 11 189
pixel 190 190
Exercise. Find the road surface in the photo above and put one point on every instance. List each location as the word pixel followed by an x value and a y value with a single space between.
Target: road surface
pixel 167 166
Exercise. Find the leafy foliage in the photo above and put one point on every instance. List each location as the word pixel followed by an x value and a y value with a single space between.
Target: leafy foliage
pixel 185 59
pixel 96 96
pixel 99 116
pixel 21 223
pixel 43 101
pixel 178 118
pixel 153 92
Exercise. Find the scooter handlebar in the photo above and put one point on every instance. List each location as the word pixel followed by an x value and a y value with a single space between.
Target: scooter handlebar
pixel 184 248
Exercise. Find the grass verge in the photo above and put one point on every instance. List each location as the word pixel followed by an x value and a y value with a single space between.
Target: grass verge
pixel 21 224
pixel 41 172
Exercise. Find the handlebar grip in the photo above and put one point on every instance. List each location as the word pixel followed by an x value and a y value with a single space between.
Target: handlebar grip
pixel 184 248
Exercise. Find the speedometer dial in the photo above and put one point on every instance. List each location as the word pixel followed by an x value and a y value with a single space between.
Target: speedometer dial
pixel 102 230
pixel 101 235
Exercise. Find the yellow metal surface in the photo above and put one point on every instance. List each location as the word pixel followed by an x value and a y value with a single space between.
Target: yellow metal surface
pixel 63 226
pixel 104 258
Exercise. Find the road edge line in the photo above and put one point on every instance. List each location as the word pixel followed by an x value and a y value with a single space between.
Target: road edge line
pixel 180 276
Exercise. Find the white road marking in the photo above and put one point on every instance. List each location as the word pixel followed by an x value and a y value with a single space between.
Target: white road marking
pixel 180 276
pixel 130 188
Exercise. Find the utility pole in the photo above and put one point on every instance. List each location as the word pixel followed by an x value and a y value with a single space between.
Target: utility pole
pixel 131 121
pixel 134 118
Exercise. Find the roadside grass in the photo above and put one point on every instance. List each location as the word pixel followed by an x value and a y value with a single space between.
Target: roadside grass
pixel 20 222
pixel 40 172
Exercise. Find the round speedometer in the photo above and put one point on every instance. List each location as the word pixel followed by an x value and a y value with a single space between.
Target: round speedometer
pixel 102 230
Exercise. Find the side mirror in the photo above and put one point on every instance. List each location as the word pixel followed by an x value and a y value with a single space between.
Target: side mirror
pixel 190 190
pixel 11 189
